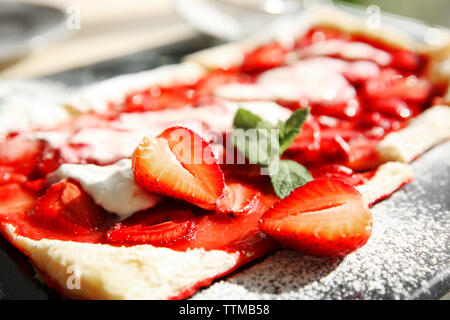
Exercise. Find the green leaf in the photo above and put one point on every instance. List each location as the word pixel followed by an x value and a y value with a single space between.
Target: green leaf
pixel 262 144
pixel 287 175
pixel 244 119
pixel 259 145
pixel 291 128
pixel 255 138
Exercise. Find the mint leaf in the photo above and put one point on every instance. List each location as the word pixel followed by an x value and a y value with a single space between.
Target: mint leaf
pixel 291 128
pixel 287 175
pixel 244 119
pixel 259 145
pixel 255 138
pixel 262 144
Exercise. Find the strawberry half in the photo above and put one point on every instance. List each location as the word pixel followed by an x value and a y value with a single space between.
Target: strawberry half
pixel 21 154
pixel 67 207
pixel 391 84
pixel 154 226
pixel 14 198
pixel 238 198
pixel 323 218
pixel 264 57
pixel 179 164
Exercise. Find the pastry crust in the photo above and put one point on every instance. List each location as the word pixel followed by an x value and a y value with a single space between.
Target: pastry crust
pixel 423 132
pixel 109 272
pixel 388 178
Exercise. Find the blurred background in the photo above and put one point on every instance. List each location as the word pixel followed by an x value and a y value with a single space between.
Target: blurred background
pixel 37 40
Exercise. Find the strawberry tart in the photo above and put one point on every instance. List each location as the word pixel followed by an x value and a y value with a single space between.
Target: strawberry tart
pixel 151 185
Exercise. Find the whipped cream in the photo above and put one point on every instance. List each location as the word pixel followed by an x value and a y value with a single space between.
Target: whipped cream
pixel 23 116
pixel 112 187
pixel 319 80
pixel 106 145
pixel 349 50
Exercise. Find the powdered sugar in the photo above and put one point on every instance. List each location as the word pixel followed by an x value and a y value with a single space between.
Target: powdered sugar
pixel 407 254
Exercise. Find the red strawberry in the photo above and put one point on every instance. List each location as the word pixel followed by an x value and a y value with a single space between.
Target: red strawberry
pixel 154 226
pixel 340 172
pixel 265 57
pixel 391 84
pixel 68 208
pixel 14 198
pixel 395 108
pixel 238 198
pixel 219 231
pixel 323 218
pixel 363 154
pixel 7 175
pixel 21 154
pixel 206 85
pixel 159 98
pixel 405 60
pixel 179 164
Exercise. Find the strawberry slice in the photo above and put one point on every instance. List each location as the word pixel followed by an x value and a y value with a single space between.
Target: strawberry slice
pixel 21 154
pixel 179 164
pixel 154 226
pixel 391 84
pixel 340 172
pixel 159 98
pixel 323 218
pixel 7 175
pixel 205 86
pixel 14 198
pixel 265 57
pixel 395 108
pixel 238 198
pixel 68 208
pixel 405 60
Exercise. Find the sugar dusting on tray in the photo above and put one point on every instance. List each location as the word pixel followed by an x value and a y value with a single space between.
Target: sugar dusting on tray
pixel 407 254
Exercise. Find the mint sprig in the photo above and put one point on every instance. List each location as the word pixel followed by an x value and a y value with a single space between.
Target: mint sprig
pixel 264 144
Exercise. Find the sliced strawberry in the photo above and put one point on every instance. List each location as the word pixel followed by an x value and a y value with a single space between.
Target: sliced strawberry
pixel 265 57
pixel 179 164
pixel 205 86
pixel 340 172
pixel 375 119
pixel 218 231
pixel 363 154
pixel 238 198
pixel 308 138
pixel 15 198
pixel 159 98
pixel 405 60
pixel 320 34
pixel 391 84
pixel 67 207
pixel 7 175
pixel 157 226
pixel 396 108
pixel 21 154
pixel 323 218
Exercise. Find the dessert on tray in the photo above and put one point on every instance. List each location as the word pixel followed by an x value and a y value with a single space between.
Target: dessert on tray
pixel 153 184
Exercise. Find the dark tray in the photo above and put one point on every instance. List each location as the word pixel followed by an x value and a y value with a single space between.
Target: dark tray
pixel 407 257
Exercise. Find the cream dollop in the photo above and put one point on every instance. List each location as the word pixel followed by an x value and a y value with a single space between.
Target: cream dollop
pixel 112 187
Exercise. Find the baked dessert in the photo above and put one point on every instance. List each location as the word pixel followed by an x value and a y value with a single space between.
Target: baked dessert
pixel 107 192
